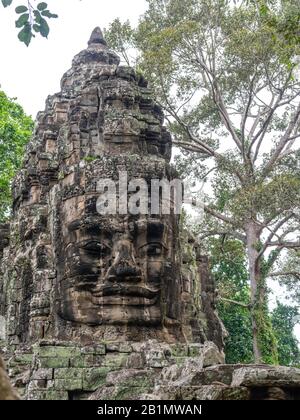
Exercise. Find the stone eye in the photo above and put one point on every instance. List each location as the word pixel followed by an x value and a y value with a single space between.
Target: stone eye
pixel 96 249
pixel 154 250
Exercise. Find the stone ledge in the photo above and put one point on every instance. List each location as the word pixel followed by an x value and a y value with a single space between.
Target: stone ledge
pixel 274 376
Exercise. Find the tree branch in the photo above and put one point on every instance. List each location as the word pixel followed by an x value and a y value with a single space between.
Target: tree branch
pixel 235 302
pixel 218 215
pixel 282 143
pixel 285 273
pixel 232 233
pixel 285 244
pixel 273 233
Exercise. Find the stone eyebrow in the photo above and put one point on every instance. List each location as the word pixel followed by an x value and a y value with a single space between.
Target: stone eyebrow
pixel 158 242
pixel 149 223
pixel 86 224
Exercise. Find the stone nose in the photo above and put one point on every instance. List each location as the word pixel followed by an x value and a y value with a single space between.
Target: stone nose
pixel 124 267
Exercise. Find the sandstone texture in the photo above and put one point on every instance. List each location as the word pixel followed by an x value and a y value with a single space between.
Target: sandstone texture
pixel 115 305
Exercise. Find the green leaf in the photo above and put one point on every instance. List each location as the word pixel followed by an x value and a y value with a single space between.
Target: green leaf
pixel 44 28
pixel 264 10
pixel 42 6
pixel 49 15
pixel 22 20
pixel 38 16
pixel 6 2
pixel 36 27
pixel 25 34
pixel 21 9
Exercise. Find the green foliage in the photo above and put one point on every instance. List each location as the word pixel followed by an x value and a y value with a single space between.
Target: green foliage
pixel 90 159
pixel 6 2
pixel 266 335
pixel 275 329
pixel 288 275
pixel 42 6
pixel 285 24
pixel 25 34
pixel 32 20
pixel 120 37
pixel 21 9
pixel 284 319
pixel 229 266
pixel 15 132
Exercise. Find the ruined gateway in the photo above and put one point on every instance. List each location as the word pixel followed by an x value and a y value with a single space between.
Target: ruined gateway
pixel 116 306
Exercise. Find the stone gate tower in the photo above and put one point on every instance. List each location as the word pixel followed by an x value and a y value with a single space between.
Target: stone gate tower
pixel 104 306
pixel 71 275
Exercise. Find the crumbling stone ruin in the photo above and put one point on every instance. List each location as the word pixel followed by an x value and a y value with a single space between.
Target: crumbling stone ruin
pixel 114 306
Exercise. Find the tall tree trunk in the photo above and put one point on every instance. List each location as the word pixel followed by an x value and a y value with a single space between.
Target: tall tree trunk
pixel 6 390
pixel 257 292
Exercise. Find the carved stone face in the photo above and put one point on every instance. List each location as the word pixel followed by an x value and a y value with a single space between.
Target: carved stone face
pixel 111 268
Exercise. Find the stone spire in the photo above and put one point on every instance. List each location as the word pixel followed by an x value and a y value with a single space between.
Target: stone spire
pixel 95 56
pixel 103 121
pixel 97 37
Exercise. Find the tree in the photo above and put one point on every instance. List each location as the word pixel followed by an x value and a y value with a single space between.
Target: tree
pixel 15 132
pixel 31 20
pixel 227 81
pixel 284 319
pixel 229 266
pixel 6 390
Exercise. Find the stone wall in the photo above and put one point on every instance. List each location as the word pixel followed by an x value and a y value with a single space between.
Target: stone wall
pixel 144 371
pixel 67 371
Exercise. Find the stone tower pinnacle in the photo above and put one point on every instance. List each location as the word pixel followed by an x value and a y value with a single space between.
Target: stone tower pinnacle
pixel 97 37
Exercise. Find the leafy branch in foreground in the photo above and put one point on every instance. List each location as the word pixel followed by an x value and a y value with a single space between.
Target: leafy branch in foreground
pixel 31 20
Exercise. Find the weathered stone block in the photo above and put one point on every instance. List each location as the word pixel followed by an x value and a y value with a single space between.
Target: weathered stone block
pixel 125 348
pixel 219 373
pixel 131 378
pixel 211 355
pixel 58 351
pixel 112 347
pixel 45 373
pixel 93 378
pixel 135 361
pixel 37 384
pixel 115 361
pixel 68 373
pixel 156 359
pixel 68 384
pixel 47 395
pixel 53 362
pixel 88 360
pixel 268 376
pixel 117 393
pixel 179 350
pixel 194 349
pixel 23 358
pixel 96 350
pixel 214 392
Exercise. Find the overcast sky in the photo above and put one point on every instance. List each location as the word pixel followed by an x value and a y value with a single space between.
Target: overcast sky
pixel 32 73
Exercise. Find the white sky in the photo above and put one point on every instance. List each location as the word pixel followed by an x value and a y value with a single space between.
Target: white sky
pixel 31 74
